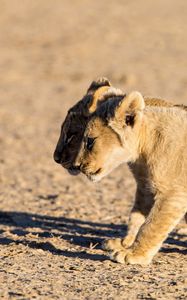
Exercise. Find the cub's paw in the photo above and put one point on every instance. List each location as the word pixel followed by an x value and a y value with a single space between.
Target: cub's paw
pixel 127 256
pixel 116 244
pixel 119 256
pixel 112 244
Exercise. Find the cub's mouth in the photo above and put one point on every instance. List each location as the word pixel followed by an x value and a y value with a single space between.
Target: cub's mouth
pixel 94 176
pixel 97 172
pixel 72 170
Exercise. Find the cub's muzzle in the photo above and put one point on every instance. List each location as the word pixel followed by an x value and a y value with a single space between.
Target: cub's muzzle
pixel 57 156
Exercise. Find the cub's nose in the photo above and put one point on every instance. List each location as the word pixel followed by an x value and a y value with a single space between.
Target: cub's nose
pixel 57 156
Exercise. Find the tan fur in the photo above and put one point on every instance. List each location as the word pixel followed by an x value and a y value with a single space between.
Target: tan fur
pixel 153 141
pixel 74 124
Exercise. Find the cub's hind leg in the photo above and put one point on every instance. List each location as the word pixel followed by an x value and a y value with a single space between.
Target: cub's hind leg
pixel 143 203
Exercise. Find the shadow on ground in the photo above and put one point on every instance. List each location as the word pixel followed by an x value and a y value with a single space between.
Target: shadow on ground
pixel 75 231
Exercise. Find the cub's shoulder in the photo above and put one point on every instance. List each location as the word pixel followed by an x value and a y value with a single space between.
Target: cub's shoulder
pixel 157 102
pixel 162 103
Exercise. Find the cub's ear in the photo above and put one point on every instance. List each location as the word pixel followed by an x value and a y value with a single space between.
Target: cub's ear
pixel 101 81
pixel 96 91
pixel 97 98
pixel 130 107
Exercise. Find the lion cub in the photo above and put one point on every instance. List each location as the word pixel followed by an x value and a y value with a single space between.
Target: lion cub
pixel 153 141
pixel 73 127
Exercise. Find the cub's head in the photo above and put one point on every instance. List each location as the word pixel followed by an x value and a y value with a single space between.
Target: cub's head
pixel 73 127
pixel 111 136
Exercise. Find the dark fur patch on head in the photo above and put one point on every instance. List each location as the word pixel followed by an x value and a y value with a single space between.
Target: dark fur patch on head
pixel 81 107
pixel 107 110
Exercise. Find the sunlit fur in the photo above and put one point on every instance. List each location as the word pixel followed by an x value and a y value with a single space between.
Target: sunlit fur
pixel 154 145
pixel 73 127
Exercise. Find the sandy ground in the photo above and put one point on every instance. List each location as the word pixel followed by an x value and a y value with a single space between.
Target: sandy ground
pixel 51 224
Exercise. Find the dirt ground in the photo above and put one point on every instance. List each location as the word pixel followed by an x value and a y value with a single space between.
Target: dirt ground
pixel 51 223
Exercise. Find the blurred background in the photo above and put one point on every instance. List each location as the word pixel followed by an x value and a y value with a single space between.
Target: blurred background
pixel 50 51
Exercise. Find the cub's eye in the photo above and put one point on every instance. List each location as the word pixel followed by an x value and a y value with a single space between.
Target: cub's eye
pixel 89 143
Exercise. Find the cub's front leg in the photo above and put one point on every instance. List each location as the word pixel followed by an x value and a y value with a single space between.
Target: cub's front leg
pixel 164 216
pixel 144 200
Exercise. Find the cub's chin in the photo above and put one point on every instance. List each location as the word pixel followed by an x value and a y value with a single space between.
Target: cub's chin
pixel 96 177
pixel 102 172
